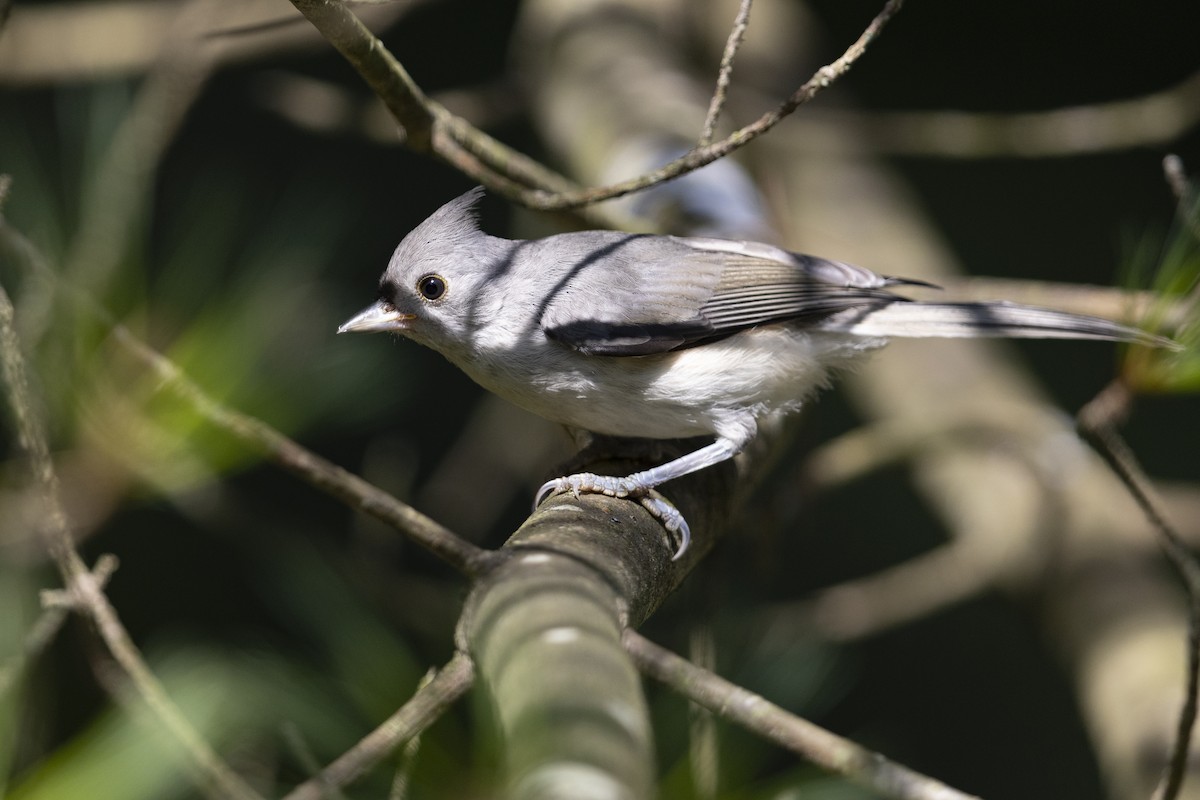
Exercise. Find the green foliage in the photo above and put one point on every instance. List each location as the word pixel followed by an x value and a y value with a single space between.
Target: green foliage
pixel 1171 270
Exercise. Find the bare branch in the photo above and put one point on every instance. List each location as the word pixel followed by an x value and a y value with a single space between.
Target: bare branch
pixel 432 129
pixel 428 126
pixel 1097 422
pixel 975 560
pixel 73 41
pixel 386 76
pixel 85 587
pixel 725 72
pixel 40 634
pixel 1150 120
pixel 544 628
pixel 308 466
pixel 425 706
pixel 702 156
pixel 758 715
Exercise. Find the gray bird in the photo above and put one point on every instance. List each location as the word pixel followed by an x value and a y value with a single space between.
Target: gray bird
pixel 661 337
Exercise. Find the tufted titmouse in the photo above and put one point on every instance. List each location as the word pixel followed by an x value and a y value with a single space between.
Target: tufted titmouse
pixel 660 337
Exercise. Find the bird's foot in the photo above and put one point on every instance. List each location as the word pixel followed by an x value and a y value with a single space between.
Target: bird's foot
pixel 658 506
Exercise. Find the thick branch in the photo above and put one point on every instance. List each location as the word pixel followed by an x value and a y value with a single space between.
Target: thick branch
pixel 545 631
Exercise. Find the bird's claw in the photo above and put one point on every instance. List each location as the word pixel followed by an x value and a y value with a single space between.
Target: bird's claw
pixel 658 506
pixel 588 483
pixel 665 512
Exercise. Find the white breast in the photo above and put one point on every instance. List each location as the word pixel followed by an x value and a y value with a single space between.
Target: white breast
pixel 696 391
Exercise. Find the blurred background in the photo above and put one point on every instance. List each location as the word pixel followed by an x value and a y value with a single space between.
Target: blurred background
pixel 215 177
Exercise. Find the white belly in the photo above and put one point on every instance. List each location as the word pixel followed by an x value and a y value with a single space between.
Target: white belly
pixel 702 390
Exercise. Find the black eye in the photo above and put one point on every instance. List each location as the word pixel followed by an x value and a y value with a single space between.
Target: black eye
pixel 431 287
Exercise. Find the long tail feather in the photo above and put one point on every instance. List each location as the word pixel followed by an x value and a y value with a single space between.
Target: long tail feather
pixel 993 319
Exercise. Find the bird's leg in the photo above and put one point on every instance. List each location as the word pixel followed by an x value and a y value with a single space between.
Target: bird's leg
pixel 640 484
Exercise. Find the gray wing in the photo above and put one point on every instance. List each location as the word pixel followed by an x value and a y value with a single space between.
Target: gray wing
pixel 657 294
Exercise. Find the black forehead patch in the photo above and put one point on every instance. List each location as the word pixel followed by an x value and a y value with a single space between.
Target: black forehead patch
pixel 388 289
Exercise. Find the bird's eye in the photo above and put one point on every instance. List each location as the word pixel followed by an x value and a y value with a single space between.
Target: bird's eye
pixel 431 287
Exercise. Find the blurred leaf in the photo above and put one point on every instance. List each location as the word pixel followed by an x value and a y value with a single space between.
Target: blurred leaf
pixel 1171 269
pixel 17 598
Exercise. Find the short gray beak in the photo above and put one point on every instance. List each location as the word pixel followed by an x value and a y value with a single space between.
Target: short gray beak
pixel 378 317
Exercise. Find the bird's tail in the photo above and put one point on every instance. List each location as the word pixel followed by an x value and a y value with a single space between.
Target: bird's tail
pixel 992 319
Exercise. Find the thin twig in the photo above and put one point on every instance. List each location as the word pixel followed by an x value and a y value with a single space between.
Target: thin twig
pixel 40 634
pixel 408 754
pixel 300 751
pixel 428 126
pixel 1097 423
pixel 702 156
pixel 736 34
pixel 432 129
pixel 85 587
pixel 425 706
pixel 56 605
pixel 386 76
pixel 285 452
pixel 307 465
pixel 463 146
pixel 753 712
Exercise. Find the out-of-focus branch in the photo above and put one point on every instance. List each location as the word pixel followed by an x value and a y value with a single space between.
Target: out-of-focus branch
pixel 758 715
pixel 308 466
pixel 426 705
pixel 1098 421
pixel 84 587
pixel 65 41
pixel 702 156
pixel 117 196
pixel 507 171
pixel 1124 683
pixel 325 107
pixel 1151 120
pixel 966 565
pixel 40 634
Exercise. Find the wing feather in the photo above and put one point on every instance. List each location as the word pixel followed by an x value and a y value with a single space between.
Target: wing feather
pixel 657 294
